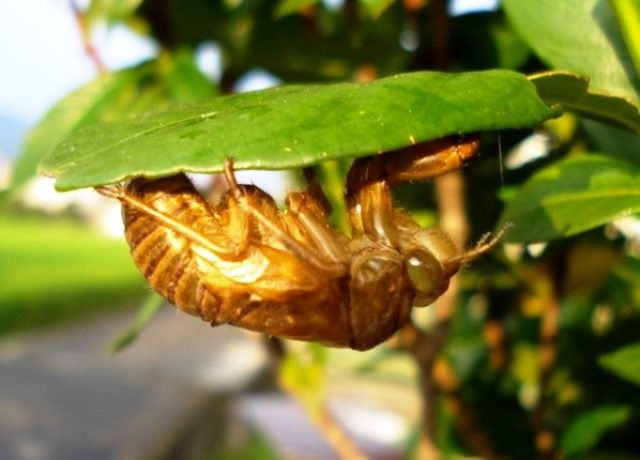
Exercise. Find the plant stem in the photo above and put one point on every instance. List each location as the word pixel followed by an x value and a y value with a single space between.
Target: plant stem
pixel 466 420
pixel 85 34
pixel 341 443
pixel 545 438
pixel 436 377
pixel 321 417
pixel 450 198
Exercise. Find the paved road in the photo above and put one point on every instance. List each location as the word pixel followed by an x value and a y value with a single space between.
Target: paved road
pixel 63 397
pixel 173 394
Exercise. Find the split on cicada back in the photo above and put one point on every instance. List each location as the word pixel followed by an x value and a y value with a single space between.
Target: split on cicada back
pixel 288 273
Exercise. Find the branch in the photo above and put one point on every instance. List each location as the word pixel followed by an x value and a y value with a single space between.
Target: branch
pixel 544 436
pixel 494 336
pixel 466 421
pixel 334 434
pixel 436 377
pixel 85 34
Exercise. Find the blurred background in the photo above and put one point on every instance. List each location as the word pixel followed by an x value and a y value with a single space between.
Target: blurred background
pixel 94 366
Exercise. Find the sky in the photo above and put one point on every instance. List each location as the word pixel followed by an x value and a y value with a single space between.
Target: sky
pixel 42 60
pixel 42 57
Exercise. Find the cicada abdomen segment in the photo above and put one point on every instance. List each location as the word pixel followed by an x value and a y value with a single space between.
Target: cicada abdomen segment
pixel 162 252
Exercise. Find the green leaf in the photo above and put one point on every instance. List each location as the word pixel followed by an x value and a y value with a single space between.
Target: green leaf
pixel 573 92
pixel 613 141
pixel 581 36
pixel 587 429
pixel 628 15
pixel 148 310
pixel 184 80
pixel 571 196
pixel 624 362
pixel 295 126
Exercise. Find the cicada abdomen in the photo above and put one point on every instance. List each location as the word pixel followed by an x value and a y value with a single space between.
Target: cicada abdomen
pixel 219 263
pixel 159 246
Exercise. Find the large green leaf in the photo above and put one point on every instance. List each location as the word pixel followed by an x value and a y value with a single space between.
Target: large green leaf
pixel 296 126
pixel 613 141
pixel 580 36
pixel 571 196
pixel 573 92
pixel 624 362
pixel 587 429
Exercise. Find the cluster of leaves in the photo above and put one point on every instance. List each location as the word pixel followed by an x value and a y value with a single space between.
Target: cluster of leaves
pixel 544 348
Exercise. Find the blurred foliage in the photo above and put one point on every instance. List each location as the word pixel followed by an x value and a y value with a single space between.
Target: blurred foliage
pixel 171 78
pixel 59 273
pixel 570 185
pixel 152 305
pixel 252 446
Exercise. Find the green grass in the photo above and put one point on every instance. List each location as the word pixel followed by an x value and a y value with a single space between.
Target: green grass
pixel 52 270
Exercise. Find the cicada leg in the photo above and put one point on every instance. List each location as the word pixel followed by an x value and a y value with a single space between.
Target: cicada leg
pixel 309 254
pixel 380 298
pixel 308 212
pixel 421 261
pixel 416 162
pixel 486 244
pixel 368 194
pixel 314 190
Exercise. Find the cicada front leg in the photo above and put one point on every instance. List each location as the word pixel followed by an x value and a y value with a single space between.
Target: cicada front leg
pixel 416 162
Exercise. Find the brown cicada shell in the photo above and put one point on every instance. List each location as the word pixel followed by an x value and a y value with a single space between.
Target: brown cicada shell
pixel 288 273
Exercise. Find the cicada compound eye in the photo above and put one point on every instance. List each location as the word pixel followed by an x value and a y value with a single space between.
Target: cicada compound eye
pixel 426 275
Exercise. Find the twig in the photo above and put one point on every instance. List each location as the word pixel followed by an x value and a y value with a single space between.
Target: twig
pixel 494 336
pixel 342 444
pixel 450 197
pixel 440 27
pixel 465 418
pixel 427 349
pixel 85 34
pixel 544 436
